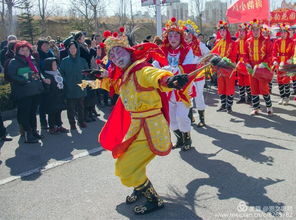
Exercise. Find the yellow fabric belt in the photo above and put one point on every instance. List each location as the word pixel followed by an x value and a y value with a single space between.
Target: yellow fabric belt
pixel 146 114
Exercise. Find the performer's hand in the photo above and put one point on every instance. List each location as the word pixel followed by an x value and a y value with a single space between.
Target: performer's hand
pixel 275 63
pixel 249 66
pixel 178 81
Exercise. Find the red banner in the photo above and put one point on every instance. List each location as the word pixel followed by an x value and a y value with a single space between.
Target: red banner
pixel 246 10
pixel 283 15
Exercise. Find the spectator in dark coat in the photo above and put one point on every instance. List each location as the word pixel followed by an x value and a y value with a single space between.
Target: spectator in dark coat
pixel 26 87
pixel 71 69
pixel 85 52
pixel 55 97
pixel 5 48
pixel 44 52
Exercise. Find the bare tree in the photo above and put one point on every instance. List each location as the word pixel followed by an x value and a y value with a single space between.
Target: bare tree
pixel 10 5
pixel 2 13
pixel 42 8
pixel 198 7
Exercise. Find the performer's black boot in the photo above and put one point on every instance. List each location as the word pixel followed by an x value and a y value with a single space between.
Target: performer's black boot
pixel 137 193
pixel 190 115
pixel 201 118
pixel 153 203
pixel 187 141
pixel 180 141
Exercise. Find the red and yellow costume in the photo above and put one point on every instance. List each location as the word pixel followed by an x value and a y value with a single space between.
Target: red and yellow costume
pixel 259 51
pixel 225 48
pixel 240 48
pixel 282 51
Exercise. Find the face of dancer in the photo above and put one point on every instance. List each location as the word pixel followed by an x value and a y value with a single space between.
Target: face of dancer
pixel 120 57
pixel 284 34
pixel 223 33
pixel 242 34
pixel 25 51
pixel 174 39
pixel 256 32
pixel 188 37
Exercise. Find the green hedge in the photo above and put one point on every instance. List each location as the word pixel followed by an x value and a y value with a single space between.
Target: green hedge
pixel 5 101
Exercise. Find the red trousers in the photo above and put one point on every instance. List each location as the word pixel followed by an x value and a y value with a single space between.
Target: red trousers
pixel 259 87
pixel 243 80
pixel 226 85
pixel 282 79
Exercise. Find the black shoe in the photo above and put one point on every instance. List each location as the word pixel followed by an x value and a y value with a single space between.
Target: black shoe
pixel 229 110
pixel 190 115
pixel 201 118
pixel 249 100
pixel 294 92
pixel 241 101
pixel 4 138
pixel 222 109
pixel 154 202
pixel 36 135
pixel 29 138
pixel 187 141
pixel 180 141
pixel 137 193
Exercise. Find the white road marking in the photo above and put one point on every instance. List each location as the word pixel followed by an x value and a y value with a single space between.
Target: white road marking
pixel 51 165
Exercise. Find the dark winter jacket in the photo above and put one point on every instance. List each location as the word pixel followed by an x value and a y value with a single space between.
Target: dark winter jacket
pixel 71 70
pixel 54 96
pixel 43 56
pixel 20 76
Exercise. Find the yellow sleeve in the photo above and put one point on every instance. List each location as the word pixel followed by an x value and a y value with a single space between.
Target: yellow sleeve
pixel 151 76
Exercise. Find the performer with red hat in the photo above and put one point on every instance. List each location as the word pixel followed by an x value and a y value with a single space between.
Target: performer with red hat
pixel 282 51
pixel 242 72
pixel 137 129
pixel 259 50
pixel 225 47
pixel 180 61
pixel 199 50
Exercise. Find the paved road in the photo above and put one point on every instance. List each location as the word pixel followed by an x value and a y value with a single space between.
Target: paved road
pixel 242 167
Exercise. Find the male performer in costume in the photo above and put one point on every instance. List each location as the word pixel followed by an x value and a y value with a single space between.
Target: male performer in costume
pixel 199 50
pixel 259 50
pixel 225 47
pixel 242 73
pixel 140 116
pixel 181 61
pixel 282 51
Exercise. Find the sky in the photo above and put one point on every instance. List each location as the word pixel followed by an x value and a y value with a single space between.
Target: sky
pixel 111 10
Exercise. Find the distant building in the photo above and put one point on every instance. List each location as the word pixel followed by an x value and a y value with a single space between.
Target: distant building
pixel 215 10
pixel 178 10
pixel 286 4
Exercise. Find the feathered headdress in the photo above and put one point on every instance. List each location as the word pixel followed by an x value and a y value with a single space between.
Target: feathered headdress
pixel 222 24
pixel 189 26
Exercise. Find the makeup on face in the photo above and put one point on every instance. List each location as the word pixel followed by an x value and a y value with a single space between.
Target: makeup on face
pixel 174 39
pixel 256 32
pixel 188 37
pixel 120 57
pixel 223 32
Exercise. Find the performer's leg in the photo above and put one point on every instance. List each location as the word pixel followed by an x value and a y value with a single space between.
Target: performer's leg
pixel 287 94
pixel 268 103
pixel 184 124
pixel 200 102
pixel 242 96
pixel 229 103
pixel 294 87
pixel 249 97
pixel 256 104
pixel 270 87
pixel 174 124
pixel 282 93
pixel 223 103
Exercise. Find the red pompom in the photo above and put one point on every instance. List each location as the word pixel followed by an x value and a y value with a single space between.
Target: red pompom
pixel 115 34
pixel 98 61
pixel 173 19
pixel 284 25
pixel 102 45
pixel 220 22
pixel 121 29
pixel 254 20
pixel 107 34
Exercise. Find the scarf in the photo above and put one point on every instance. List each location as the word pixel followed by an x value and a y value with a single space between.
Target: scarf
pixel 57 77
pixel 31 64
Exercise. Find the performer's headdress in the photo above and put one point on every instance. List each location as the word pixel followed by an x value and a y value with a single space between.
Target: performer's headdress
pixel 243 26
pixel 115 40
pixel 189 26
pixel 222 25
pixel 285 27
pixel 172 25
pixel 255 24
